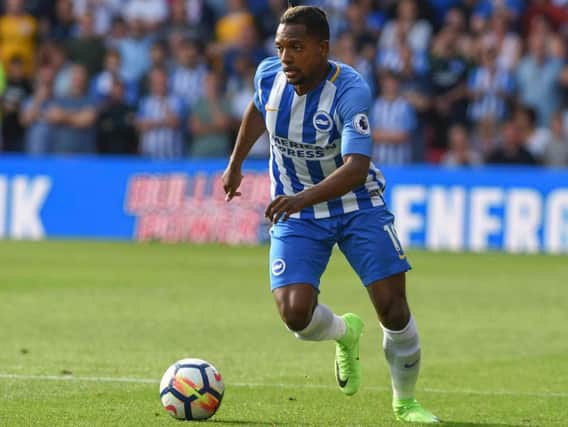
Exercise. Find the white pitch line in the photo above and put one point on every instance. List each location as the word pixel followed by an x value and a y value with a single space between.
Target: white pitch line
pixel 279 385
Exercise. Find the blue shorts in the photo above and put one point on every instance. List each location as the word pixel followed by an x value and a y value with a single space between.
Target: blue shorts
pixel 300 248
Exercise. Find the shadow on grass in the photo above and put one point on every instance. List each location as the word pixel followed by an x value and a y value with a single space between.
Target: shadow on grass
pixel 443 424
pixel 460 424
pixel 244 422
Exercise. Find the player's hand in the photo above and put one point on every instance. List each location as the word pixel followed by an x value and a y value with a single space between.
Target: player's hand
pixel 282 207
pixel 231 182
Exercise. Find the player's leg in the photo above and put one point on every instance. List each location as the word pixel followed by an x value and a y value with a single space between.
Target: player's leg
pixel 372 248
pixel 299 253
pixel 401 345
pixel 299 309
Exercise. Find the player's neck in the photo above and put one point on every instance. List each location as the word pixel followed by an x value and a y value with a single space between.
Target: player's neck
pixel 304 88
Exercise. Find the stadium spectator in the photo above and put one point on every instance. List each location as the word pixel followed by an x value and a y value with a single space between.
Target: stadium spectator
pixel 102 11
pixel 393 122
pixel 159 58
pixel 18 32
pixel 210 121
pixel 17 89
pixel 86 48
pixel 413 78
pixel 134 51
pixel 191 19
pixel 247 45
pixel 356 21
pixel 239 99
pixel 554 12
pixel 118 31
pixel 73 117
pixel 448 77
pixel 38 130
pixel 538 77
pixel 268 20
pixel 62 26
pixel 415 32
pixel 511 150
pixel 159 120
pixel 535 137
pixel 116 131
pixel 56 57
pixel 402 56
pixel 344 50
pixel 556 148
pixel 189 71
pixel 365 63
pixel 230 26
pixel 490 87
pixel 460 152
pixel 507 43
pixel 102 83
pixel 485 138
pixel 454 19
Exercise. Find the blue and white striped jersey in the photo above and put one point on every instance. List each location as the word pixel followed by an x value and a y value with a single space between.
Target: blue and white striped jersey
pixel 309 134
pixel 395 115
pixel 493 86
pixel 161 142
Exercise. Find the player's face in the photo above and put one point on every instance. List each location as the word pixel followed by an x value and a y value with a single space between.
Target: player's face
pixel 301 55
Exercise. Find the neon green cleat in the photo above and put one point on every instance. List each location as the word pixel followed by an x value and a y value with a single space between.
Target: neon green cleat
pixel 347 364
pixel 410 411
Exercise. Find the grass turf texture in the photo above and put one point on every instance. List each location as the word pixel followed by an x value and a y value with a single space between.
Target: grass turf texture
pixel 493 329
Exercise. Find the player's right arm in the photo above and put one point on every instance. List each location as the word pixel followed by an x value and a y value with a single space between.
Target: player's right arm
pixel 252 127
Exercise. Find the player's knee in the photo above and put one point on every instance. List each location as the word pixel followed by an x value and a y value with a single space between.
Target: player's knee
pixel 296 316
pixel 395 315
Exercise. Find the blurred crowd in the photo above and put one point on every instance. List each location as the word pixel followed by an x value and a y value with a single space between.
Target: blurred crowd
pixel 456 82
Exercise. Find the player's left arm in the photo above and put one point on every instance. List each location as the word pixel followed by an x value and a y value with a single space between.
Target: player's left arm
pixel 352 174
pixel 356 147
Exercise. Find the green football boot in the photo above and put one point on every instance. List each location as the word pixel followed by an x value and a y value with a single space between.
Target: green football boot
pixel 347 364
pixel 410 411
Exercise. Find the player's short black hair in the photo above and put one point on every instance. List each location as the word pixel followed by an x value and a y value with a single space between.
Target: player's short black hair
pixel 313 18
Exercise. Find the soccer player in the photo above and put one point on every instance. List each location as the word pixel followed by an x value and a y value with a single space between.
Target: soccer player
pixel 325 191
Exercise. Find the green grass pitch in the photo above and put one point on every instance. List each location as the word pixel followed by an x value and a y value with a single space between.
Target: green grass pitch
pixel 87 329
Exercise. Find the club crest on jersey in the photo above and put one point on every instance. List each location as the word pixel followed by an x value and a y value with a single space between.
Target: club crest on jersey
pixel 322 121
pixel 278 266
pixel 361 124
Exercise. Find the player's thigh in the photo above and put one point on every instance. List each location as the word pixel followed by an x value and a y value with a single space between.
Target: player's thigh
pixel 299 252
pixel 370 244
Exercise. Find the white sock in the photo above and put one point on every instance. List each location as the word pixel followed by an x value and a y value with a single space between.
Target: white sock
pixel 402 351
pixel 325 325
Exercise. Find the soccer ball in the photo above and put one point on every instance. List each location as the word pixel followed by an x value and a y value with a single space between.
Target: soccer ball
pixel 191 389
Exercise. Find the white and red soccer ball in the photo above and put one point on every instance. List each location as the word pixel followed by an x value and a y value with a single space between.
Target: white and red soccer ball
pixel 191 389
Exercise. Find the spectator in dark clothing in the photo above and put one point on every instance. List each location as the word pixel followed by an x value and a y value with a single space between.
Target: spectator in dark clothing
pixel 512 150
pixel 448 74
pixel 62 26
pixel 116 133
pixel 87 48
pixel 270 18
pixel 101 84
pixel 18 88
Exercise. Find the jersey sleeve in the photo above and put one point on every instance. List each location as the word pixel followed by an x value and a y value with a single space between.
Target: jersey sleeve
pixel 353 110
